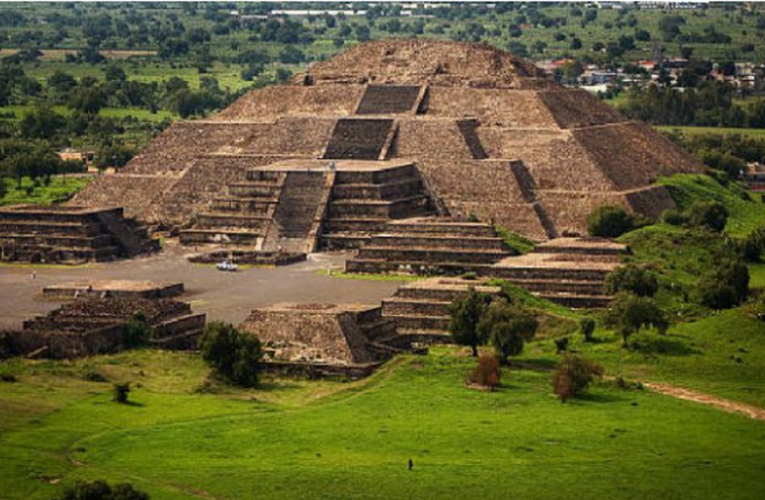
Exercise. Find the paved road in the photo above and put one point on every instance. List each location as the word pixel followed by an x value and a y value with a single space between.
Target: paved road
pixel 224 296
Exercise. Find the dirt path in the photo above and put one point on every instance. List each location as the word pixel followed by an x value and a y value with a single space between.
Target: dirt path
pixel 700 397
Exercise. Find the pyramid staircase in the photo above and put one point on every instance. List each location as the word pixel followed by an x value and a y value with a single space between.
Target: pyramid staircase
pixel 240 217
pixel 362 202
pixel 569 271
pixel 299 213
pixel 70 234
pixel 428 246
pixel 420 310
pixel 389 99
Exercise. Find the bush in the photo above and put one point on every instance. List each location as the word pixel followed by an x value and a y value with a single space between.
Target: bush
pixel 708 215
pixel 100 490
pixel 137 331
pixel 587 327
pixel 561 344
pixel 633 279
pixel 486 373
pixel 725 287
pixel 574 376
pixel 120 393
pixel 753 246
pixel 466 312
pixel 234 355
pixel 508 327
pixel 611 222
pixel 629 313
pixel 673 217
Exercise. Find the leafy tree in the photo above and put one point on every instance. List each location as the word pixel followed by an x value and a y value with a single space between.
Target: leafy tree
pixel 726 286
pixel 508 327
pixel 87 100
pixel 587 327
pixel 634 279
pixel 100 490
pixel 610 222
pixel 629 313
pixel 115 73
pixel 708 214
pixel 466 312
pixel 574 375
pixel 753 247
pixel 234 355
pixel 41 123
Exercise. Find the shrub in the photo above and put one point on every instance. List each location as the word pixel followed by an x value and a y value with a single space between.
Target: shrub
pixel 726 286
pixel 466 312
pixel 120 393
pixel 137 331
pixel 574 375
pixel 587 327
pixel 753 246
pixel 100 490
pixel 561 344
pixel 508 327
pixel 633 279
pixel 629 313
pixel 708 214
pixel 673 217
pixel 611 222
pixel 486 373
pixel 758 308
pixel 234 355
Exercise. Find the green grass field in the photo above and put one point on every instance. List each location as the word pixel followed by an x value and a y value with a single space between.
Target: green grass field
pixel 322 439
pixel 60 189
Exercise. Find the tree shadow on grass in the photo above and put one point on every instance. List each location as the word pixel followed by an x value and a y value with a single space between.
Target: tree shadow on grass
pixel 599 397
pixel 662 344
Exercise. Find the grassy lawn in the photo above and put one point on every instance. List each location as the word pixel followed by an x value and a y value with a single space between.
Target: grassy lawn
pixel 322 439
pixel 60 189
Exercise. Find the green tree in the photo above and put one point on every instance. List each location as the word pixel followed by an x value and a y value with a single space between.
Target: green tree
pixel 508 327
pixel 234 355
pixel 100 490
pixel 634 279
pixel 574 375
pixel 610 222
pixel 629 313
pixel 708 214
pixel 466 312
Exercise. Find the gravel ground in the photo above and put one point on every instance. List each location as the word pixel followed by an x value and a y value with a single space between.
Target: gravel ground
pixel 222 295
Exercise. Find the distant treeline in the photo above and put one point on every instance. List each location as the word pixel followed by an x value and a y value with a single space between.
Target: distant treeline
pixel 710 104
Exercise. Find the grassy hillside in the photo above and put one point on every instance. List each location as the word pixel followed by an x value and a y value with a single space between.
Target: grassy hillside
pixel 297 439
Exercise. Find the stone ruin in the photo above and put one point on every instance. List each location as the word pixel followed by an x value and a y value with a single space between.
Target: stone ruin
pixel 324 339
pixel 70 234
pixel 391 130
pixel 92 326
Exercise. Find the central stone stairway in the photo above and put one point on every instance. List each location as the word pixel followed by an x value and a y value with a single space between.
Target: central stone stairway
pixel 70 234
pixel 299 212
pixel 363 201
pixel 420 310
pixel 428 246
pixel 241 216
pixel 568 271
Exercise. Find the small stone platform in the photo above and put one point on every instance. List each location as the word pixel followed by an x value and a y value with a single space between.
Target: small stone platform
pixel 420 310
pixel 430 246
pixel 568 271
pixel 70 234
pixel 99 325
pixel 113 288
